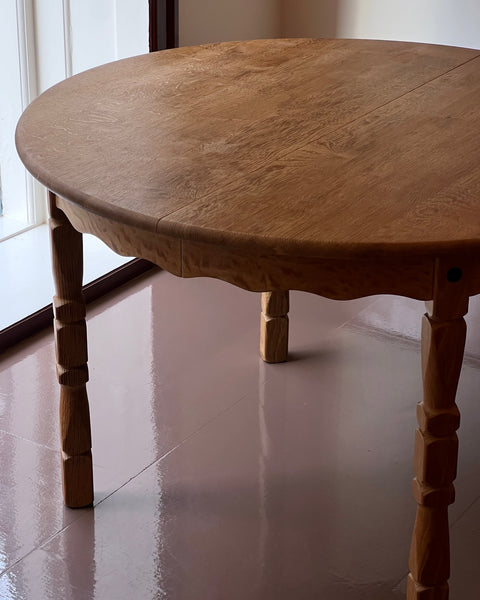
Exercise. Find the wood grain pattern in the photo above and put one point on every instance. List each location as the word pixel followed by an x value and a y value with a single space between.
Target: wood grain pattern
pixel 304 147
pixel 436 443
pixel 340 167
pixel 71 350
pixel 402 180
pixel 127 240
pixel 274 327
pixel 340 279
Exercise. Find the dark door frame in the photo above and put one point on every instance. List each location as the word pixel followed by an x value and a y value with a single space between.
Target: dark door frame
pixel 163 20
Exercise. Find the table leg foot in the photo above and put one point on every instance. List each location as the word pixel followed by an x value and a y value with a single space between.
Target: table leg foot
pixel 77 465
pixel 71 351
pixel 274 326
pixel 77 480
pixel 417 591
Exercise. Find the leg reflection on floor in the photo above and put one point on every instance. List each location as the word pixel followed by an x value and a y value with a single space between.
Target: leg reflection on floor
pixel 219 476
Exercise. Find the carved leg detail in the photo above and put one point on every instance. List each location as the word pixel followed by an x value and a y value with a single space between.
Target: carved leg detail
pixel 274 326
pixel 71 350
pixel 436 449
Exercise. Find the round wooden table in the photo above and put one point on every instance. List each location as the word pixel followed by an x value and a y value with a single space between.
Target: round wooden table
pixel 340 167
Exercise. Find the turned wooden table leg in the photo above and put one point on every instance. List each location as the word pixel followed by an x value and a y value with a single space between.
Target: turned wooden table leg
pixel 71 350
pixel 436 442
pixel 274 326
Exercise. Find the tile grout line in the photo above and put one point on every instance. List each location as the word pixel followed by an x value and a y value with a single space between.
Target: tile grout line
pixel 81 511
pixel 462 514
pixel 451 525
pixel 181 443
pixel 24 439
pixel 43 543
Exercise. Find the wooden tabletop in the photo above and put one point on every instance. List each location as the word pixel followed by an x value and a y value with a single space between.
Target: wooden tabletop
pixel 292 147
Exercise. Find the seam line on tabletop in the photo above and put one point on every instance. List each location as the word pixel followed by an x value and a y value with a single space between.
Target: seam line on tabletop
pixel 312 139
pixel 380 106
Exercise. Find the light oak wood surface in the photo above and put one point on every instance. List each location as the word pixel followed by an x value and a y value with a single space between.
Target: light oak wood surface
pixel 274 327
pixel 339 167
pixel 71 350
pixel 230 143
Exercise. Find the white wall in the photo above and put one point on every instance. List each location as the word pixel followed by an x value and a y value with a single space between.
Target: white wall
pixel 309 18
pixel 202 21
pixel 454 22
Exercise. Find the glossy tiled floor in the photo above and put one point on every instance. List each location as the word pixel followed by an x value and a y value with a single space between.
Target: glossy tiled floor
pixel 219 477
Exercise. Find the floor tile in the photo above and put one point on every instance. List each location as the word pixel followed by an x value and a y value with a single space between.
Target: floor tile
pixel 219 476
pixel 30 497
pixel 277 496
pixel 465 540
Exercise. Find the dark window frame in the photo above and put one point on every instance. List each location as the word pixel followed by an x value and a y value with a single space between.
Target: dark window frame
pixel 163 24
